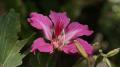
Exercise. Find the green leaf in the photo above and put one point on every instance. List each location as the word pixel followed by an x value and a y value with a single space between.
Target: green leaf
pixel 95 57
pixel 113 52
pixel 106 60
pixel 43 60
pixel 10 46
pixel 38 59
pixel 98 61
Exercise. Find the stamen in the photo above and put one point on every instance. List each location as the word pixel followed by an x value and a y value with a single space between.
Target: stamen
pixel 62 39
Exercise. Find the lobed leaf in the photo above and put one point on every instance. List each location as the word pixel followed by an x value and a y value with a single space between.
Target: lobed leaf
pixel 10 46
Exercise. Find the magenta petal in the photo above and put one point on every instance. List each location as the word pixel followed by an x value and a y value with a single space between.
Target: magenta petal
pixel 70 49
pixel 42 46
pixel 88 48
pixel 60 21
pixel 76 29
pixel 41 22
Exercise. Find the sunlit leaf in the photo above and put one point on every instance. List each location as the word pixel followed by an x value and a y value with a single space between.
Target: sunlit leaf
pixel 10 46
pixel 95 57
pixel 113 52
pixel 106 60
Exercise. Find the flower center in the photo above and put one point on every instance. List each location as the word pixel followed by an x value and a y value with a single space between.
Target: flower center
pixel 58 40
pixel 57 43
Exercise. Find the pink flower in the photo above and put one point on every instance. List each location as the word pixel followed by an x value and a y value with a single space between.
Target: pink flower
pixel 60 32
